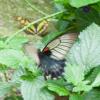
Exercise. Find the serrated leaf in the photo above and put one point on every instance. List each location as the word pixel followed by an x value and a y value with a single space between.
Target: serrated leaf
pixel 82 86
pixel 74 74
pixel 80 3
pixel 11 58
pixel 86 51
pixel 34 90
pixel 96 82
pixel 60 90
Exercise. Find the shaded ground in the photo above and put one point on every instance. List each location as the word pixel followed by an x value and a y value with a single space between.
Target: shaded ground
pixel 11 8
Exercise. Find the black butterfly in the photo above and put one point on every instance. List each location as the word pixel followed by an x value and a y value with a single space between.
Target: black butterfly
pixel 52 58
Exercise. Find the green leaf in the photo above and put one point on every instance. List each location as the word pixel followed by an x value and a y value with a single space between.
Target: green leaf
pixel 92 95
pixel 82 86
pixel 11 58
pixel 96 81
pixel 93 74
pixel 34 89
pixel 86 51
pixel 80 3
pixel 84 19
pixel 71 76
pixel 75 97
pixel 17 74
pixel 17 42
pixel 5 88
pixel 75 74
pixel 2 44
pixel 62 1
pixel 59 89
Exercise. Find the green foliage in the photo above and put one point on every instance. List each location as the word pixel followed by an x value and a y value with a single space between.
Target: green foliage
pixel 85 18
pixel 77 3
pixel 96 82
pixel 5 88
pixel 71 76
pixel 17 42
pixel 80 3
pixel 76 79
pixel 57 86
pixel 81 78
pixel 35 89
pixel 86 49
pixel 92 95
pixel 11 58
pixel 76 97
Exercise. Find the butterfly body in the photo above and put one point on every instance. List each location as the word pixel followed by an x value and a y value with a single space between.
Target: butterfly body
pixel 52 67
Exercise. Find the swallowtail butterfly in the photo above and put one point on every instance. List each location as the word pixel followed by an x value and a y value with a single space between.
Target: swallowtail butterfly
pixel 38 28
pixel 52 58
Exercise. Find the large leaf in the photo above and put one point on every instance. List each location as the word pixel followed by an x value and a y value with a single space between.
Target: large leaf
pixel 57 87
pixel 80 3
pixel 75 74
pixel 86 52
pixel 11 58
pixel 34 90
pixel 71 76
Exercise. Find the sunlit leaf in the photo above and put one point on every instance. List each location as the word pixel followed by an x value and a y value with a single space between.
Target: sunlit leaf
pixel 59 89
pixel 74 74
pixel 11 58
pixel 86 51
pixel 80 3
pixel 82 86
pixel 17 42
pixel 34 90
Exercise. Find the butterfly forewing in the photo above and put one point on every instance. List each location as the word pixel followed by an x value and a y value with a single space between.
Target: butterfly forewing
pixel 60 46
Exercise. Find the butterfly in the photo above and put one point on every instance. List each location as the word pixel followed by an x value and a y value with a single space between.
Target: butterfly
pixel 38 28
pixel 51 59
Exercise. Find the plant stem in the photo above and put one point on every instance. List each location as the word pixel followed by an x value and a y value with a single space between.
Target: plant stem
pixel 35 8
pixel 25 27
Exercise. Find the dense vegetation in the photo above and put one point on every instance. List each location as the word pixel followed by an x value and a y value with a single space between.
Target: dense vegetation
pixel 20 77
